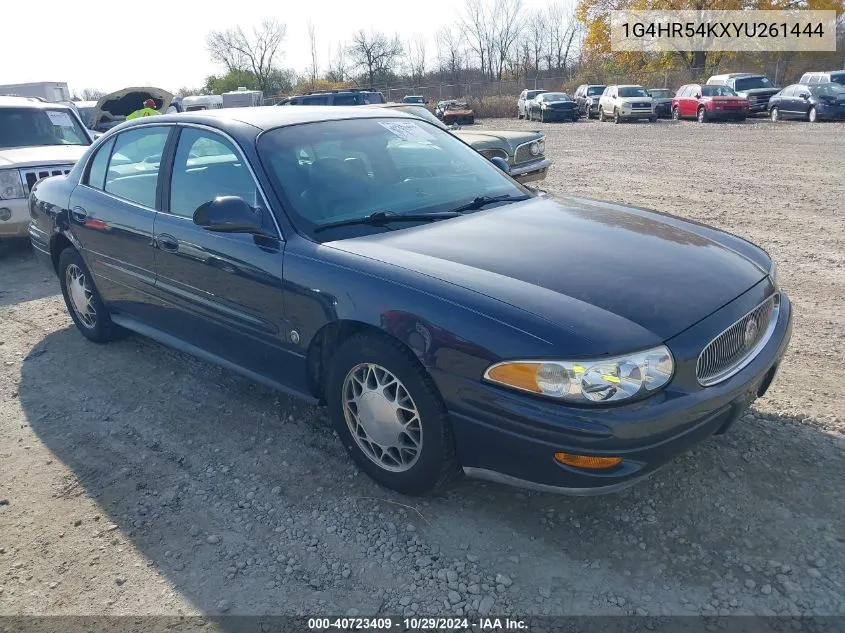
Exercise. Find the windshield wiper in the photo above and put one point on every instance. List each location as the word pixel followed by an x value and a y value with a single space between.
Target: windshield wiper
pixel 482 201
pixel 381 217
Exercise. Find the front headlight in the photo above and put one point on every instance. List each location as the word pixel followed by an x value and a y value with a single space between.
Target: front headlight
pixel 11 186
pixel 588 381
pixel 534 148
pixel 541 146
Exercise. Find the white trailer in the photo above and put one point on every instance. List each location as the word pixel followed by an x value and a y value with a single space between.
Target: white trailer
pixel 53 91
pixel 201 102
pixel 242 98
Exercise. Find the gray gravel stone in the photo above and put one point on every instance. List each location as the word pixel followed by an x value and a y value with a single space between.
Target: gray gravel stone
pixel 486 605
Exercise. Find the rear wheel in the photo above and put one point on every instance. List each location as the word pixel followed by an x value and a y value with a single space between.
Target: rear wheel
pixel 83 300
pixel 390 416
pixel 774 115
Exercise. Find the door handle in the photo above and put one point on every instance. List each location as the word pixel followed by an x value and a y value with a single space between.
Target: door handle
pixel 79 214
pixel 167 242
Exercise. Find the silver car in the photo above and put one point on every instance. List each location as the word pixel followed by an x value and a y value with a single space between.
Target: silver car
pixel 525 97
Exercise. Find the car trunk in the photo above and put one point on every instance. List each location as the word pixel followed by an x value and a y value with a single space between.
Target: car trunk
pixel 113 108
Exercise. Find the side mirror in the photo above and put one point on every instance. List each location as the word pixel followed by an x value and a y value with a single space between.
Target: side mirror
pixel 805 95
pixel 501 163
pixel 698 95
pixel 228 214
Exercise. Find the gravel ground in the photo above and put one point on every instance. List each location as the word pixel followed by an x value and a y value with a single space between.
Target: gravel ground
pixel 137 480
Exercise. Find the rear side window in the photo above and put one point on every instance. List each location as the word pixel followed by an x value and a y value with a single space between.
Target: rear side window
pixel 97 170
pixel 134 166
pixel 814 79
pixel 345 100
pixel 321 100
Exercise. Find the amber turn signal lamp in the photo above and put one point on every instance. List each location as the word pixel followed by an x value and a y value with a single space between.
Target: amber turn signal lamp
pixel 519 375
pixel 587 461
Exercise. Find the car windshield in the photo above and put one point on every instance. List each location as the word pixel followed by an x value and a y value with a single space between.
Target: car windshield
pixel 555 96
pixel 751 83
pixel 717 91
pixel 421 112
pixel 833 90
pixel 595 90
pixel 85 114
pixel 632 91
pixel 458 105
pixel 662 94
pixel 31 127
pixel 531 94
pixel 334 171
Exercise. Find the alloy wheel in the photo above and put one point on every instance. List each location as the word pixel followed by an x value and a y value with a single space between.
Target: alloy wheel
pixel 774 115
pixel 81 294
pixel 382 417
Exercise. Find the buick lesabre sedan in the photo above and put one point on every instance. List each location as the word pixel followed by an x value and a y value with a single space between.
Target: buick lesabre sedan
pixel 448 317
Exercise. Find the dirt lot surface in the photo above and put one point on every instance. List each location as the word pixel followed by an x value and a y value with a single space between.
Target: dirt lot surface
pixel 137 480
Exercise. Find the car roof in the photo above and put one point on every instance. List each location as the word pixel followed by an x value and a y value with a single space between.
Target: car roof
pixel 628 85
pixel 28 102
pixel 268 117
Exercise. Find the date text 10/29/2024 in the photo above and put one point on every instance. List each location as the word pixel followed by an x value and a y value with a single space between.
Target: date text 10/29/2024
pixel 417 624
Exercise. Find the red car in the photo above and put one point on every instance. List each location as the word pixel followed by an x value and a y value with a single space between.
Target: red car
pixel 706 103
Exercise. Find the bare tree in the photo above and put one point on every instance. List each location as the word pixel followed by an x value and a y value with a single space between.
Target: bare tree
pixel 338 70
pixel 536 35
pixel 506 30
pixel 562 30
pixel 477 26
pixel 450 52
pixel 375 53
pixel 237 51
pixel 92 94
pixel 313 68
pixel 416 51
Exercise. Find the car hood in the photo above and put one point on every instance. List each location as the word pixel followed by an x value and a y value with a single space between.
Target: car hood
pixel 44 155
pixel 635 99
pixel 575 260
pixel 497 139
pixel 122 103
pixel 763 92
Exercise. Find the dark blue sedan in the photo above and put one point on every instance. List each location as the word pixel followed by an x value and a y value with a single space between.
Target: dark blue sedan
pixel 450 318
pixel 817 102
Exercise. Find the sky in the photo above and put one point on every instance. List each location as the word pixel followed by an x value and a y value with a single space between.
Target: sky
pixel 162 44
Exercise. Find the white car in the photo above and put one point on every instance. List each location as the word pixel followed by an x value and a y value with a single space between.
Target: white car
pixel 626 102
pixel 37 140
pixel 524 102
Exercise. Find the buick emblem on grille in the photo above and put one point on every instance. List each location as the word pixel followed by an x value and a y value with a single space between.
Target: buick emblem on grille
pixel 751 329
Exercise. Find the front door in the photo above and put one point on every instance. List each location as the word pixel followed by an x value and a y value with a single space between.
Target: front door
pixel 112 212
pixel 223 290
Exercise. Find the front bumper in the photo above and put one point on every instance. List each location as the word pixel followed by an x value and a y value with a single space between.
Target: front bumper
pixel 511 438
pixel 727 113
pixel 831 112
pixel 758 107
pixel 663 109
pixel 630 115
pixel 531 171
pixel 561 115
pixel 18 223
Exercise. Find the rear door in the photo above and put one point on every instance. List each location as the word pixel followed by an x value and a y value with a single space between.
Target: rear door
pixel 223 290
pixel 112 214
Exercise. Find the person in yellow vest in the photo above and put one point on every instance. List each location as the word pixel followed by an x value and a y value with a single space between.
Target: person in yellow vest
pixel 149 109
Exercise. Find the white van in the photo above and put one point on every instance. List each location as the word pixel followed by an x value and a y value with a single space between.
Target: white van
pixel 201 102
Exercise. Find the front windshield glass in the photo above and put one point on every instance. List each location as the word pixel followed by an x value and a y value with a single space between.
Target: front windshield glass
pixel 332 171
pixel 85 113
pixel 662 94
pixel 458 105
pixel 632 91
pixel 555 96
pixel 595 90
pixel 833 90
pixel 32 127
pixel 717 91
pixel 751 83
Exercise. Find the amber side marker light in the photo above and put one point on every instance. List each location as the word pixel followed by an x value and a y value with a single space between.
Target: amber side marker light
pixel 587 461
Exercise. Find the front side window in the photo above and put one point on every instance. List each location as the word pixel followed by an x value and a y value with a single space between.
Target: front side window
pixel 205 167
pixel 99 165
pixel 334 171
pixel 830 90
pixel 35 127
pixel 135 163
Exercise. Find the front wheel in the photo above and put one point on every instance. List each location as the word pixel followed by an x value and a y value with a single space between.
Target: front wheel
pixel 702 115
pixel 774 115
pixel 653 119
pixel 542 117
pixel 390 416
pixel 676 114
pixel 616 118
pixel 83 300
pixel 813 115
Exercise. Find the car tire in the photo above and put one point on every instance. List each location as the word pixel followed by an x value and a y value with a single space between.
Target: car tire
pixel 519 115
pixel 373 364
pixel 813 115
pixel 542 117
pixel 83 300
pixel 701 115
pixel 676 113
pixel 652 119
pixel 774 115
pixel 616 118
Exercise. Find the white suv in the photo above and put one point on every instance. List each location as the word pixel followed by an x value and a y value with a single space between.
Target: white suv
pixel 524 101
pixel 621 103
pixel 37 139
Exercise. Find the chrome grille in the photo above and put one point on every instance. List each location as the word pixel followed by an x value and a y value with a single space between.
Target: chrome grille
pixel 523 153
pixel 31 175
pixel 737 346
